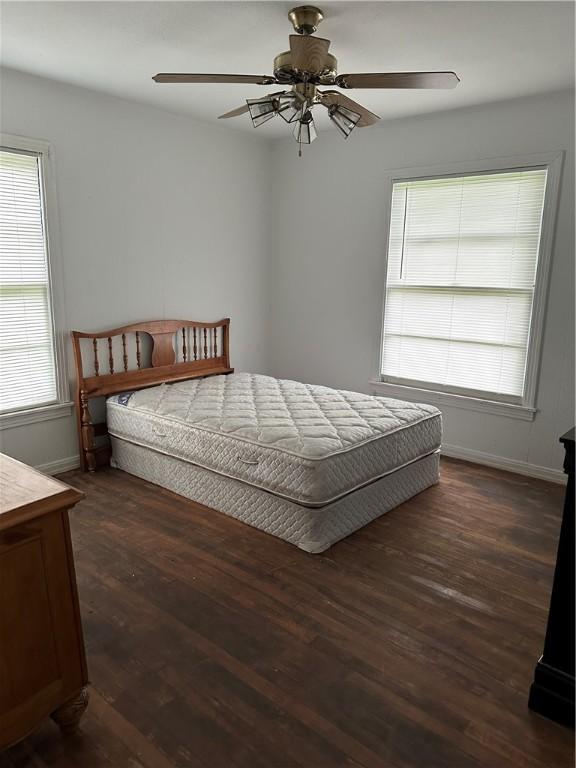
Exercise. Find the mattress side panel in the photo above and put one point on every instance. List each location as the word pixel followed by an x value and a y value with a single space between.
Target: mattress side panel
pixel 303 480
pixel 379 457
pixel 247 462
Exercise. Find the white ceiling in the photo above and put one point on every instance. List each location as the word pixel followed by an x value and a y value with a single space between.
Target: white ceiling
pixel 499 49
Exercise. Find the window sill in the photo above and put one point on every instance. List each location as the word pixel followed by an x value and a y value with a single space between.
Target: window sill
pixel 34 415
pixel 415 394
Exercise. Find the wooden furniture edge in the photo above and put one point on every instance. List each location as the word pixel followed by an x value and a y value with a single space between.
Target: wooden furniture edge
pixel 67 715
pixel 67 497
pixel 76 596
pixel 164 368
pixel 30 511
pixel 99 386
pixel 34 511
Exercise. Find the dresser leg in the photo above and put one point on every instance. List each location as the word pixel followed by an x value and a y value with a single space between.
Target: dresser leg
pixel 68 716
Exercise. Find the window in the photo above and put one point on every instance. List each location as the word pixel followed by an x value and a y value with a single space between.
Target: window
pixel 29 358
pixel 462 284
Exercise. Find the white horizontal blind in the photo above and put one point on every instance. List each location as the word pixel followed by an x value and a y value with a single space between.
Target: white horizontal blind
pixel 27 361
pixel 462 260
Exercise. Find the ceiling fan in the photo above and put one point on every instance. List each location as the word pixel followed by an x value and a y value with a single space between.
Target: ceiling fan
pixel 304 67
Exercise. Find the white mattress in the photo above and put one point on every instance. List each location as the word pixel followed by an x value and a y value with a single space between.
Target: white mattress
pixel 306 443
pixel 313 530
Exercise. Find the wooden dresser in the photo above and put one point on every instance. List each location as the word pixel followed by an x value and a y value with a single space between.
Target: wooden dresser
pixel 42 661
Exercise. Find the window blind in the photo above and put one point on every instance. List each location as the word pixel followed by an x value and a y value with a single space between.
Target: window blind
pixel 462 259
pixel 27 361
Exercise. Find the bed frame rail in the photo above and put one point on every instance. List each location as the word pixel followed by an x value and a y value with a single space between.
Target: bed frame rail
pixel 137 356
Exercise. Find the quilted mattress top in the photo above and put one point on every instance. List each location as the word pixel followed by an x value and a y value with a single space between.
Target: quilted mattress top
pixel 255 427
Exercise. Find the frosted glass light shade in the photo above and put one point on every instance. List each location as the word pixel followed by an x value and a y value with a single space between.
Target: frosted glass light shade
pixel 289 106
pixel 261 110
pixel 305 130
pixel 343 118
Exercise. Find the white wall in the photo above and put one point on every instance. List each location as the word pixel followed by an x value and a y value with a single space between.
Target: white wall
pixel 160 217
pixel 329 248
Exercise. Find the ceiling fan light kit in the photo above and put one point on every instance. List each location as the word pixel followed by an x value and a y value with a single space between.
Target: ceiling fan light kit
pixel 344 119
pixel 289 106
pixel 304 67
pixel 304 131
pixel 261 110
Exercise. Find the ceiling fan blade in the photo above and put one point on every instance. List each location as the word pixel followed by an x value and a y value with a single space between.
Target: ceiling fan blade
pixel 399 80
pixel 234 112
pixel 328 98
pixel 181 77
pixel 307 53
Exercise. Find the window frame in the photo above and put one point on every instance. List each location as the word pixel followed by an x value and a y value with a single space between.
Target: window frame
pixel 62 406
pixel 524 407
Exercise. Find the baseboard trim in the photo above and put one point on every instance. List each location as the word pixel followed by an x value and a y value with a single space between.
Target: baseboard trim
pixel 509 465
pixel 60 465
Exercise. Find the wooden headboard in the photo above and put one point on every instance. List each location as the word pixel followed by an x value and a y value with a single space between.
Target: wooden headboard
pixel 138 356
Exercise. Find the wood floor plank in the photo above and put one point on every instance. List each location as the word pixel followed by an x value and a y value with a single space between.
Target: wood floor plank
pixel 411 644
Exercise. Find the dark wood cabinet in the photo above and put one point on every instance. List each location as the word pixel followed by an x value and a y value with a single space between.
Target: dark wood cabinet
pixel 42 660
pixel 552 692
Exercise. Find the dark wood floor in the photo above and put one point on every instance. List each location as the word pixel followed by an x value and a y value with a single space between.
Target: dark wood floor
pixel 410 644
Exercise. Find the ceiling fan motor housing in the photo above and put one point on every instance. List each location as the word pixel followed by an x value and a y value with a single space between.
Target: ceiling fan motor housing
pixel 284 72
